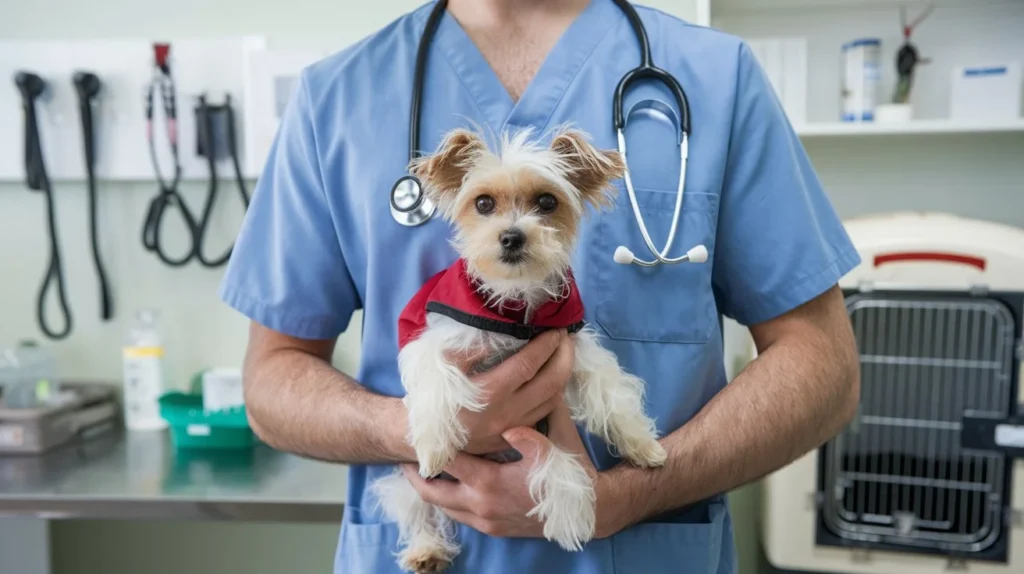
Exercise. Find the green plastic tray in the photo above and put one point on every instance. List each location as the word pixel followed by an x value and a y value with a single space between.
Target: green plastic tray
pixel 193 428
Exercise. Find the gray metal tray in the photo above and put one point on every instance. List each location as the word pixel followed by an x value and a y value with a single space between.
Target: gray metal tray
pixel 29 431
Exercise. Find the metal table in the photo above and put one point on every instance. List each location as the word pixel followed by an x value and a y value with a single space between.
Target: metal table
pixel 135 475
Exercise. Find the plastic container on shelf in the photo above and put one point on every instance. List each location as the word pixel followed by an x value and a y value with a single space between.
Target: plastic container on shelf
pixel 193 427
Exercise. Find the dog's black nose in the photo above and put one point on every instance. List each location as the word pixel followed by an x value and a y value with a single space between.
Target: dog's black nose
pixel 512 240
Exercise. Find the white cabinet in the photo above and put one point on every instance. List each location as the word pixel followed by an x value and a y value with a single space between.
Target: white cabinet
pixel 957 33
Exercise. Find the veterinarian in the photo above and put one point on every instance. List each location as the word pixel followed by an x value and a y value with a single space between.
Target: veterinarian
pixel 320 242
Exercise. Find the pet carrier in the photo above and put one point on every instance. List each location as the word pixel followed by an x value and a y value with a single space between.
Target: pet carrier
pixel 927 478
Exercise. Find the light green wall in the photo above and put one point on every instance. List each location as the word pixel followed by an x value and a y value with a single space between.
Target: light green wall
pixel 187 296
pixel 94 547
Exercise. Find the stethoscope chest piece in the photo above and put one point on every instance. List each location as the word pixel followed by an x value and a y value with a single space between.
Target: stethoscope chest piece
pixel 409 205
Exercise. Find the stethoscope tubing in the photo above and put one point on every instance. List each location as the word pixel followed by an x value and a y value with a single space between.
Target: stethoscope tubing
pixel 647 70
pixel 422 53
pixel 660 256
pixel 420 210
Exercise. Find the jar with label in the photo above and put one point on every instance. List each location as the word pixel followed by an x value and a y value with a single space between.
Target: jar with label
pixel 143 356
pixel 861 75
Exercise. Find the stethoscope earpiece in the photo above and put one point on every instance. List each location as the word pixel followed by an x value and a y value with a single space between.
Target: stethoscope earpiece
pixel 623 256
pixel 698 254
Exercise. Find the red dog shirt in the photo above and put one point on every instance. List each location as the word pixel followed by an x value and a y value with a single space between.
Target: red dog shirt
pixel 453 293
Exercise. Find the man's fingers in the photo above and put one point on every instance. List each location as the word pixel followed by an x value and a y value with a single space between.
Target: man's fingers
pixel 562 430
pixel 530 443
pixel 523 366
pixel 540 412
pixel 465 517
pixel 470 469
pixel 478 523
pixel 549 381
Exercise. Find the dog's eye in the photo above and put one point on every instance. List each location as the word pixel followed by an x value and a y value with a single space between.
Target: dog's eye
pixel 547 202
pixel 485 204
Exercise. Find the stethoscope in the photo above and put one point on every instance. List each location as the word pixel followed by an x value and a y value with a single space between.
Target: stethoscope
pixel 411 207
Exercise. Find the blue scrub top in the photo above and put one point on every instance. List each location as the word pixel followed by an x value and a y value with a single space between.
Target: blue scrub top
pixel 319 242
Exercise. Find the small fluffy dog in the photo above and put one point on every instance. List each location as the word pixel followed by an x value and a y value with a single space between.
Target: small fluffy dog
pixel 516 215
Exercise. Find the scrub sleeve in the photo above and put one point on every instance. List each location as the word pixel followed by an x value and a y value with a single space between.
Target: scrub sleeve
pixel 780 242
pixel 287 271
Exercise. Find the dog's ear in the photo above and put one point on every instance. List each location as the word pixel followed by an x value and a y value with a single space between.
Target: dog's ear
pixel 592 171
pixel 443 172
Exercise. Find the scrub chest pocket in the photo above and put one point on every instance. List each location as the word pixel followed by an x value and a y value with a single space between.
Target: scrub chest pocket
pixel 665 303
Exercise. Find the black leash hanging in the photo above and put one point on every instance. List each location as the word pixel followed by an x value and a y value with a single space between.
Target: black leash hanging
pixel 32 87
pixel 87 85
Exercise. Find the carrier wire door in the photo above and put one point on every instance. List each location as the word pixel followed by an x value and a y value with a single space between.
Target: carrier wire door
pixel 928 478
pixel 899 477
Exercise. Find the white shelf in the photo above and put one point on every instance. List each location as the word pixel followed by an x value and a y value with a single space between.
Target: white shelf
pixel 917 127
pixel 720 7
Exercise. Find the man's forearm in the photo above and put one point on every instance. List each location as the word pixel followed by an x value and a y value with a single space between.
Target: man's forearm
pixel 299 403
pixel 796 395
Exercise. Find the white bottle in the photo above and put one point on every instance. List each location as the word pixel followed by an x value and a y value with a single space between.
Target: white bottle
pixel 143 356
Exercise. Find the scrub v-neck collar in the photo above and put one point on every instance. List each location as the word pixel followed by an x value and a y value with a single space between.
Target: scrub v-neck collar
pixel 547 87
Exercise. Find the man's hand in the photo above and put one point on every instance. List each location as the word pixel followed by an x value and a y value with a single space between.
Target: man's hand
pixel 493 498
pixel 519 392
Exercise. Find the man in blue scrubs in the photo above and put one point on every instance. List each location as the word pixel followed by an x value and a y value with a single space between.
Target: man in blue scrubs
pixel 319 243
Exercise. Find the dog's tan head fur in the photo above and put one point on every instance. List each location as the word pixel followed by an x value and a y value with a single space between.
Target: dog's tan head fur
pixel 517 212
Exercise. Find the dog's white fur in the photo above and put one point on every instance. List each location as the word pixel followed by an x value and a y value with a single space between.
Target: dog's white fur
pixel 600 394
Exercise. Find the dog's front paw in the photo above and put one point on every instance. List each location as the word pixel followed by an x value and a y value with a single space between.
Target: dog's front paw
pixel 566 502
pixel 647 454
pixel 636 440
pixel 571 530
pixel 436 445
pixel 424 560
pixel 432 460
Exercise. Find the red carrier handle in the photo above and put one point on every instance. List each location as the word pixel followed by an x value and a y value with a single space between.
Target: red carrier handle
pixel 939 256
